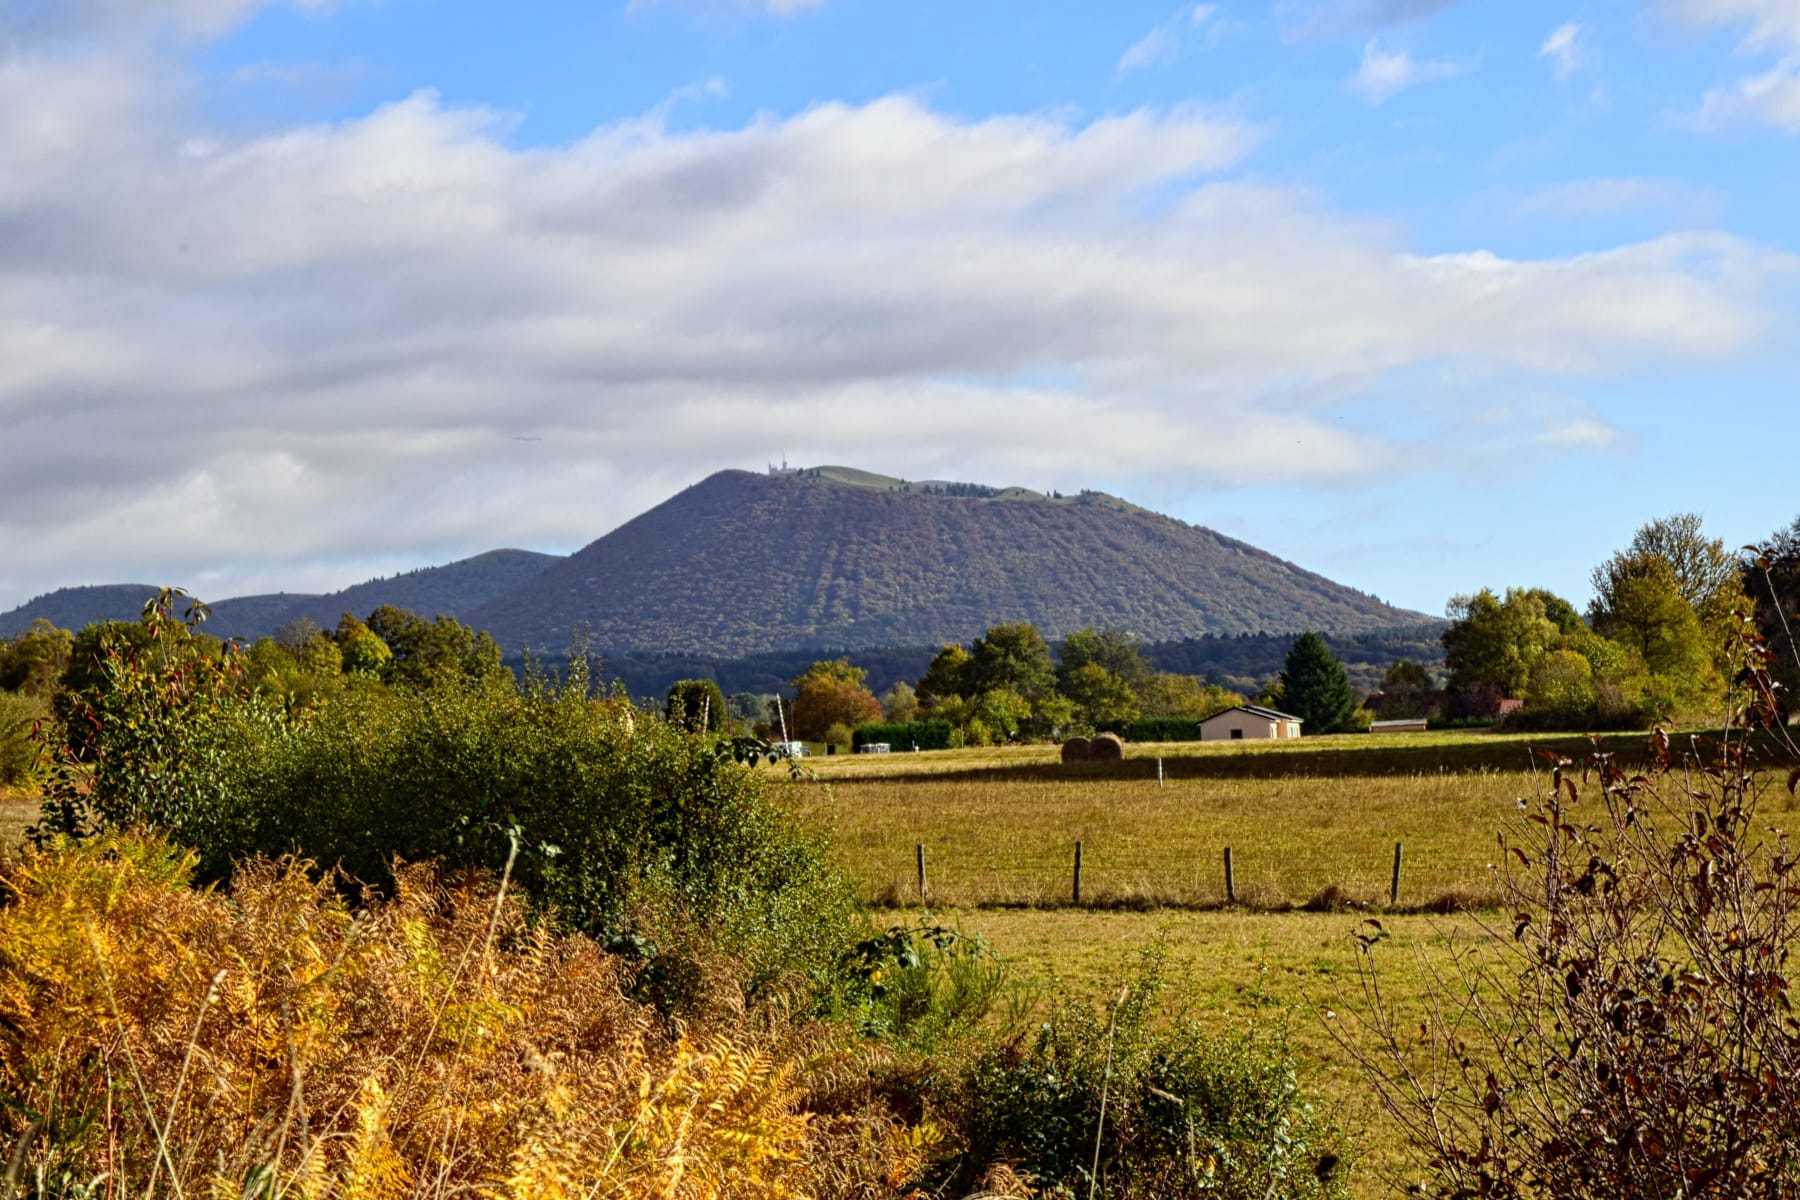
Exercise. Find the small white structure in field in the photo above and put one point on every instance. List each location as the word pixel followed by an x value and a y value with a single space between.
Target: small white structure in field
pixel 1249 721
pixel 1400 725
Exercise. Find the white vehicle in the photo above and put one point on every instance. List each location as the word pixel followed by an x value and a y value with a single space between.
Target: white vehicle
pixel 789 749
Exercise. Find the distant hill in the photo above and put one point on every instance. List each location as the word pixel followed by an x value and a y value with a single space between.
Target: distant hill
pixel 455 589
pixel 75 607
pixel 742 564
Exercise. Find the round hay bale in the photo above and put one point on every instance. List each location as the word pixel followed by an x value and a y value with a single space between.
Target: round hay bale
pixel 1076 749
pixel 1108 747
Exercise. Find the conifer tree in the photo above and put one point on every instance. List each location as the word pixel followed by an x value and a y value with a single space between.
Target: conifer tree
pixel 1315 687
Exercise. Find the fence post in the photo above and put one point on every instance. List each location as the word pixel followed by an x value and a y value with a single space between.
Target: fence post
pixel 1394 889
pixel 921 855
pixel 1159 774
pixel 1230 879
pixel 1077 874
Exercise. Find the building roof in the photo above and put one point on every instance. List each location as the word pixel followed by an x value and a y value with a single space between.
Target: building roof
pixel 1258 710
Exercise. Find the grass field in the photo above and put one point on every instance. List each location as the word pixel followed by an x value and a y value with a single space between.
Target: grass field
pixel 1313 822
pixel 1296 973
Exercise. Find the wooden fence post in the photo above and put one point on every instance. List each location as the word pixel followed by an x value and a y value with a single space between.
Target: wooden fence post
pixel 921 856
pixel 1230 879
pixel 1077 874
pixel 1394 889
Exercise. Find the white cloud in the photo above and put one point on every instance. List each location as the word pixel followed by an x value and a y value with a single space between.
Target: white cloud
pixel 1311 20
pixel 41 20
pixel 1580 433
pixel 1771 98
pixel 1383 74
pixel 1583 199
pixel 1772 24
pixel 223 357
pixel 1564 49
pixel 1165 42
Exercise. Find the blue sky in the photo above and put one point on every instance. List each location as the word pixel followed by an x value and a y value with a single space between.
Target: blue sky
pixel 1424 295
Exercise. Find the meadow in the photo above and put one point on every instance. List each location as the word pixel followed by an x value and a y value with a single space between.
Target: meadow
pixel 1310 824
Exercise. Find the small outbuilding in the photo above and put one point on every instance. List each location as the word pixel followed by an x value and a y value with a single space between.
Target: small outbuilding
pixel 1249 721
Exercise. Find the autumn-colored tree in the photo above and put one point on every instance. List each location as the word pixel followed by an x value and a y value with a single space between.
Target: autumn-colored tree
pixel 831 693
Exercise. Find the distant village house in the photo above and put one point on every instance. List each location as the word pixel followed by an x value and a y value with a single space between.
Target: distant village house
pixel 1249 721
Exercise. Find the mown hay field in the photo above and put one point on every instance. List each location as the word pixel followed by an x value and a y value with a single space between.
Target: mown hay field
pixel 1308 823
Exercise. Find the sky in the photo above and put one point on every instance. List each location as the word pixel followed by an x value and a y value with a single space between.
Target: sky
pixel 1424 295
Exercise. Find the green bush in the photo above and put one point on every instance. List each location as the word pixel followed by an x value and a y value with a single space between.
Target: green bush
pixel 628 826
pixel 1187 1112
pixel 19 751
pixel 1160 729
pixel 631 828
pixel 932 734
pixel 918 987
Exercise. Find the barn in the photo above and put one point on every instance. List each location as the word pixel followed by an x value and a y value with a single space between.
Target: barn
pixel 1249 721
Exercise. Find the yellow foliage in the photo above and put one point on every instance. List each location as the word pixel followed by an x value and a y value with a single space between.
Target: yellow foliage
pixel 276 1042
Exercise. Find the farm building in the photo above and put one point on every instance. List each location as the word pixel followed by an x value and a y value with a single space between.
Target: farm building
pixel 1400 725
pixel 1249 721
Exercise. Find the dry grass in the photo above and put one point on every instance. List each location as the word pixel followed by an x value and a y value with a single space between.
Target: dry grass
pixel 279 1042
pixel 18 809
pixel 1312 823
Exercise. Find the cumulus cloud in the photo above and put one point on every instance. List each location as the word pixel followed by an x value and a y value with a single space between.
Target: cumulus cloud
pixel 226 356
pixel 1564 49
pixel 1385 73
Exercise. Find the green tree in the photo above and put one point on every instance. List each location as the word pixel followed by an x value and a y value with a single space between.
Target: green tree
pixel 1102 700
pixel 1406 676
pixel 32 660
pixel 900 704
pixel 1647 615
pixel 441 653
pixel 696 705
pixel 360 649
pixel 947 678
pixel 1494 641
pixel 1113 649
pixel 1011 657
pixel 1562 681
pixel 1170 695
pixel 1705 576
pixel 1315 687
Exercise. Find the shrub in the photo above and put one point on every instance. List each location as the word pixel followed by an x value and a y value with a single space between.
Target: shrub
pixel 1174 1109
pixel 904 735
pixel 1634 1037
pixel 1161 729
pixel 632 829
pixel 20 753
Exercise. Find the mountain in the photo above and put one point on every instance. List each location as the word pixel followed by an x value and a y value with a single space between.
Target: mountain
pixel 832 558
pixel 74 607
pixel 455 589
